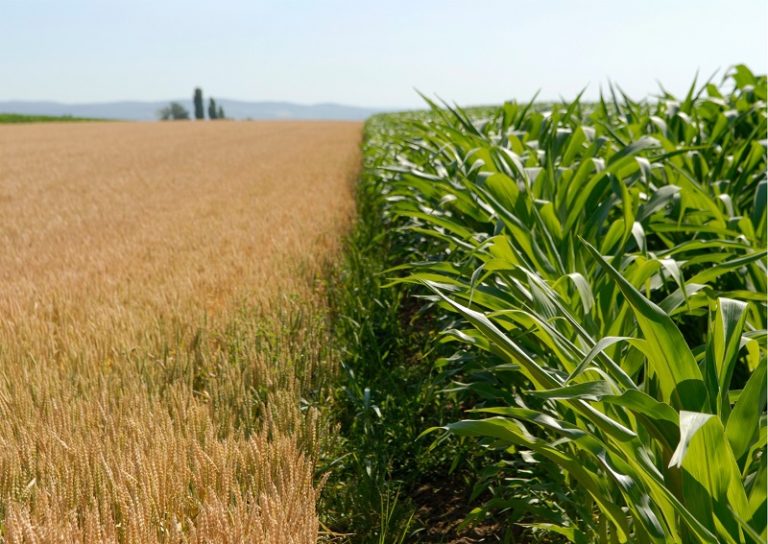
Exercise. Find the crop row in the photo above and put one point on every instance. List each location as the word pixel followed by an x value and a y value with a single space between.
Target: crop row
pixel 599 274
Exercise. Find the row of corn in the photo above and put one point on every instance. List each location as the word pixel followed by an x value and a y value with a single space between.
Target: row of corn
pixel 598 271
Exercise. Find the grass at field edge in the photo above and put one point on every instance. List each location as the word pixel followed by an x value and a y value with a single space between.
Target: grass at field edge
pixel 17 118
pixel 385 483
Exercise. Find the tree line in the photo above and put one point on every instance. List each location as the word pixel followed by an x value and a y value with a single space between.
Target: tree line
pixel 175 111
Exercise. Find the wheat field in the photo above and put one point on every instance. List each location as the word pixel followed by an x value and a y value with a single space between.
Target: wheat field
pixel 162 327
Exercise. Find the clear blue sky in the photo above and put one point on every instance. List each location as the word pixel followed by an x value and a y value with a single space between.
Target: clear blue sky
pixel 370 53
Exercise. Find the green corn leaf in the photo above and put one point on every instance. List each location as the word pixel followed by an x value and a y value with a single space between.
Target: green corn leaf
pixel 670 358
pixel 713 272
pixel 657 418
pixel 722 350
pixel 744 421
pixel 515 432
pixel 533 370
pixel 586 391
pixel 690 423
pixel 712 485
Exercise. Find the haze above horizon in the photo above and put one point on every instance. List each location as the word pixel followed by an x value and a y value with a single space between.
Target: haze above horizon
pixel 371 55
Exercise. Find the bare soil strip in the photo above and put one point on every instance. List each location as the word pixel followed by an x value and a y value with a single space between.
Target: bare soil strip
pixel 159 322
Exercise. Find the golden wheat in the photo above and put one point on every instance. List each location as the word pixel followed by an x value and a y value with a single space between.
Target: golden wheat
pixel 160 320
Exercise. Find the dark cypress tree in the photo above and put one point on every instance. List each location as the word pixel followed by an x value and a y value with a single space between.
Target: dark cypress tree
pixel 220 113
pixel 212 109
pixel 198 100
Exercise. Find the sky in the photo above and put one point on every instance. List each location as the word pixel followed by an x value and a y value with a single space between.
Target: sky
pixel 369 53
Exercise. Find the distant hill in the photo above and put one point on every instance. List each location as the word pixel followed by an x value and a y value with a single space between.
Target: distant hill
pixel 146 111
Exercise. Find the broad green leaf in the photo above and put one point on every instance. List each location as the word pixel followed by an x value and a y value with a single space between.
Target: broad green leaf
pixel 690 423
pixel 657 418
pixel 744 421
pixel 515 432
pixel 670 358
pixel 722 350
pixel 712 486
pixel 586 391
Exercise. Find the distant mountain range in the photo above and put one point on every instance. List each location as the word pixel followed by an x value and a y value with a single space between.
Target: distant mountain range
pixel 234 109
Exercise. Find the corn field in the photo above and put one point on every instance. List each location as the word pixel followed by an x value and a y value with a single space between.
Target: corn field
pixel 598 271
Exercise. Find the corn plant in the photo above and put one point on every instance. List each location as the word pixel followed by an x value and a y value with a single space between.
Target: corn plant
pixel 609 260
